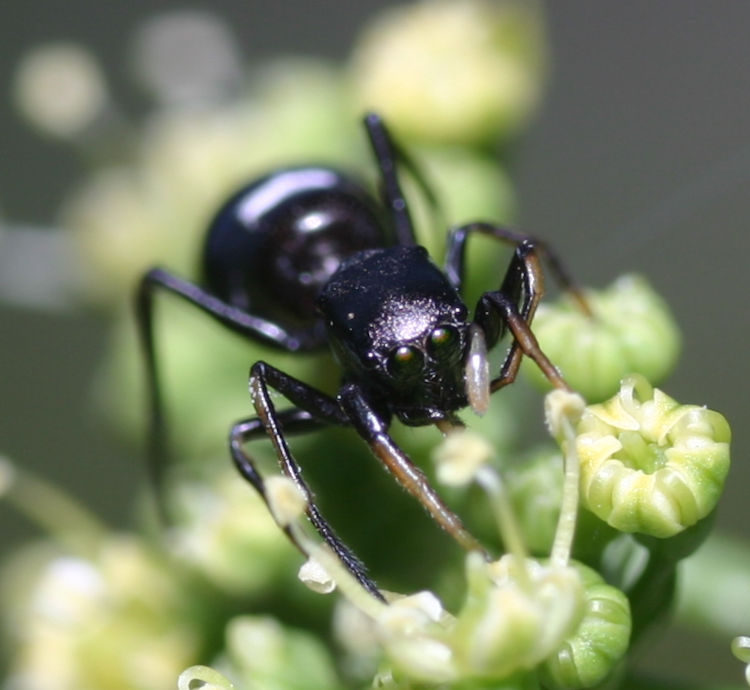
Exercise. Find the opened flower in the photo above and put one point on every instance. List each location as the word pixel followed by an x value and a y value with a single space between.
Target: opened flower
pixel 649 464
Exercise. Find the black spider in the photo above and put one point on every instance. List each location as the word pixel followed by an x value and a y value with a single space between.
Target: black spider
pixel 303 257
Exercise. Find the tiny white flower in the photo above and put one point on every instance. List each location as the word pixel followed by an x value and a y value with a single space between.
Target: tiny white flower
pixel 285 499
pixel 316 577
pixel 459 457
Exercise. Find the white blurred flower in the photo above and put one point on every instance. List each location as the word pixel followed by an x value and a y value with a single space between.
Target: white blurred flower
pixel 60 88
pixel 451 71
pixel 187 57
pixel 113 621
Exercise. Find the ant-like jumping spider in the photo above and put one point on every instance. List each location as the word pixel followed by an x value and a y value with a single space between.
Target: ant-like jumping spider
pixel 305 257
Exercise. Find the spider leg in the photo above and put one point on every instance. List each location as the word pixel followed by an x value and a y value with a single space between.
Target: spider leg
pixel 389 155
pixel 313 410
pixel 239 321
pixel 373 429
pixel 456 248
pixel 512 307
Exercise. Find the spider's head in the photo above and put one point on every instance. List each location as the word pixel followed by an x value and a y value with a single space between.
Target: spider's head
pixel 400 329
pixel 440 370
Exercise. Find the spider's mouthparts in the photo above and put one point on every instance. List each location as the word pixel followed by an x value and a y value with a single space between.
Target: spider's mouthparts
pixel 477 371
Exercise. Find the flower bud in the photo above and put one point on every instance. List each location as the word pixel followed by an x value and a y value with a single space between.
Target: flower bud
pixel 286 500
pixel 459 457
pixel 224 530
pixel 316 577
pixel 262 653
pixel 649 464
pixel 629 331
pixel 600 641
pixel 516 614
pixel 411 630
pixel 741 650
pixel 535 488
pixel 209 679
pixel 451 72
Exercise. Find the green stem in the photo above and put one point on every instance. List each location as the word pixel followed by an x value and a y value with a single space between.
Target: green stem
pixel 54 511
pixel 566 525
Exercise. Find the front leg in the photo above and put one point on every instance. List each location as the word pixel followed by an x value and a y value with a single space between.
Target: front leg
pixel 372 428
pixel 313 410
pixel 512 307
pixel 496 310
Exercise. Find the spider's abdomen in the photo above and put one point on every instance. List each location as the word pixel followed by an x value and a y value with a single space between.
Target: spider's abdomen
pixel 275 244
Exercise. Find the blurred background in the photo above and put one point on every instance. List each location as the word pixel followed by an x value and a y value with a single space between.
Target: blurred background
pixel 638 160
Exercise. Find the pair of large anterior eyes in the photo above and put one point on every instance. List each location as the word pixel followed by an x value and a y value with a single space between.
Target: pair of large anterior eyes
pixel 407 361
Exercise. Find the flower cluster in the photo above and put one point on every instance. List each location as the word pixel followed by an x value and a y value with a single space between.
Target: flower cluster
pixel 520 615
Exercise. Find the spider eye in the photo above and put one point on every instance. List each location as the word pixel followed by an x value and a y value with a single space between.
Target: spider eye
pixel 443 342
pixel 405 362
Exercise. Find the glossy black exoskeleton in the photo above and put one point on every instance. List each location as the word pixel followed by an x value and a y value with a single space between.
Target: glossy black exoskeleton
pixel 275 244
pixel 305 257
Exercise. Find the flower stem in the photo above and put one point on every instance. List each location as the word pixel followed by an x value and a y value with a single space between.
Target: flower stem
pixel 54 511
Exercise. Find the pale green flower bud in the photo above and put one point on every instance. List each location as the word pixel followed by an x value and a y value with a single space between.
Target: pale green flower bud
pixel 629 331
pixel 203 678
pixel 411 630
pixel 516 614
pixel 286 500
pixel 459 457
pixel 451 72
pixel 649 464
pixel 224 530
pixel 467 185
pixel 599 642
pixel 535 488
pixel 262 653
pixel 741 650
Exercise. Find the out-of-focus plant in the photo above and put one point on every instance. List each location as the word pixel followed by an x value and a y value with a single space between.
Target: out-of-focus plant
pixel 592 529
